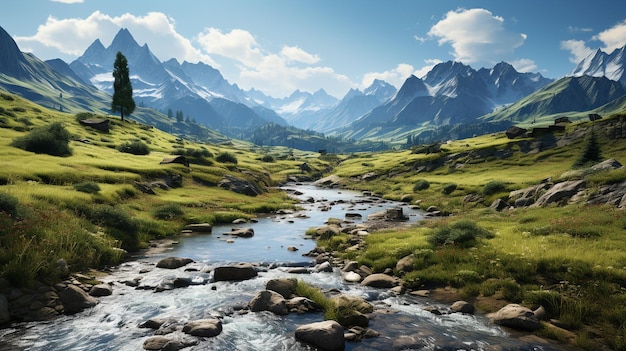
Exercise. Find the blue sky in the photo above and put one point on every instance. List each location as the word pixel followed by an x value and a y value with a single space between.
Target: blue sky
pixel 278 46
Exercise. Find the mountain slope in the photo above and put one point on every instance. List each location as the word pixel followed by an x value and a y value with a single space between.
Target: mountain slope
pixel 569 94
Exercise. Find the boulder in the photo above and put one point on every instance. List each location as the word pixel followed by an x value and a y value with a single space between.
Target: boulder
pixel 344 302
pixel 240 186
pixel 517 317
pixel 499 205
pixel 241 232
pixel 560 192
pixel 462 307
pixel 302 305
pixel 379 280
pixel 75 299
pixel 238 272
pixel 514 132
pixel 326 335
pixel 405 264
pixel 101 290
pixel 173 262
pixel 323 267
pixel 284 286
pixel 268 300
pixel 352 277
pixel 199 228
pixel 203 327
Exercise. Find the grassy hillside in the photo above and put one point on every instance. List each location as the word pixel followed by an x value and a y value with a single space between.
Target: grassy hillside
pixel 84 207
pixel 570 259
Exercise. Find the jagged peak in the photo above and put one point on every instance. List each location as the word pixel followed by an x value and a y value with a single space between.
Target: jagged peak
pixel 123 39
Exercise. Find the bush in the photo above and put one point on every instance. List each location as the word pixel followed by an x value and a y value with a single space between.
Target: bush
pixel 52 139
pixel 136 147
pixel 463 233
pixel 421 184
pixel 448 188
pixel 168 211
pixel 87 187
pixel 268 158
pixel 494 187
pixel 226 157
pixel 81 116
pixel 8 204
pixel 118 224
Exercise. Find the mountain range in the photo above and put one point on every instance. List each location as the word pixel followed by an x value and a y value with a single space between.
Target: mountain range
pixel 450 94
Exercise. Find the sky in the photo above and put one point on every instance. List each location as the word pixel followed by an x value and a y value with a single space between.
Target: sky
pixel 278 46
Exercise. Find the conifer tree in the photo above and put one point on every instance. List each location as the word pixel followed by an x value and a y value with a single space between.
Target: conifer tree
pixel 122 88
pixel 591 152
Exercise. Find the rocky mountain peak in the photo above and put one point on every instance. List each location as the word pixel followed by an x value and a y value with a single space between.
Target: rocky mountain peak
pixel 11 57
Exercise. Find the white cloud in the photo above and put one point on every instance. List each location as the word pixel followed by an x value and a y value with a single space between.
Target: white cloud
pixel 398 75
pixel 72 36
pixel 477 36
pixel 577 48
pixel 294 53
pixel 276 74
pixel 69 1
pixel 524 65
pixel 613 38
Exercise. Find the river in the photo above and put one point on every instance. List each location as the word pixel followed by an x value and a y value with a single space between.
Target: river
pixel 113 324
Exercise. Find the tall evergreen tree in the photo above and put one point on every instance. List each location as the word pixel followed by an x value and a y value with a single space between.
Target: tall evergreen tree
pixel 591 152
pixel 122 88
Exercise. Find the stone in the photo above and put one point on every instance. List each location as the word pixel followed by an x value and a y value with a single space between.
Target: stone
pixel 203 327
pixel 199 228
pixel 323 267
pixel 344 301
pixel 326 335
pixel 173 262
pixel 301 304
pixel 100 290
pixel 352 277
pixel 379 280
pixel 560 192
pixel 268 300
pixel 241 232
pixel 462 307
pixel 238 272
pixel 75 299
pixel 499 205
pixel 284 286
pixel 517 317
pixel 405 264
pixel 240 186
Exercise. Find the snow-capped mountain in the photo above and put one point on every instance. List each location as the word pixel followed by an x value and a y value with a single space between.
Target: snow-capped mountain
pixel 450 93
pixel 601 64
pixel 199 90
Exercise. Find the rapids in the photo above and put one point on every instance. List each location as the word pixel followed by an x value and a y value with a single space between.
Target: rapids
pixel 113 324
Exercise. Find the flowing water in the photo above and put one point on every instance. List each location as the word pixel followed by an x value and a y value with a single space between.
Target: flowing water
pixel 114 323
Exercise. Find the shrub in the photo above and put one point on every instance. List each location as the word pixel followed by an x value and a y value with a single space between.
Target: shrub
pixel 52 139
pixel 421 184
pixel 8 204
pixel 590 153
pixel 448 188
pixel 6 97
pixel 463 233
pixel 268 158
pixel 226 157
pixel 136 147
pixel 168 211
pixel 87 187
pixel 118 224
pixel 494 187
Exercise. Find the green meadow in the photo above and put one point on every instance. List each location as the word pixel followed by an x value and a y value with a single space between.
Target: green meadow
pixel 570 259
pixel 86 208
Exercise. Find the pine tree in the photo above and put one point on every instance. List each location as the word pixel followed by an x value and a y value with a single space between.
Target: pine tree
pixel 122 88
pixel 591 152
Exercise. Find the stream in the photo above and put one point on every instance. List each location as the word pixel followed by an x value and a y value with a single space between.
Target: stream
pixel 113 324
